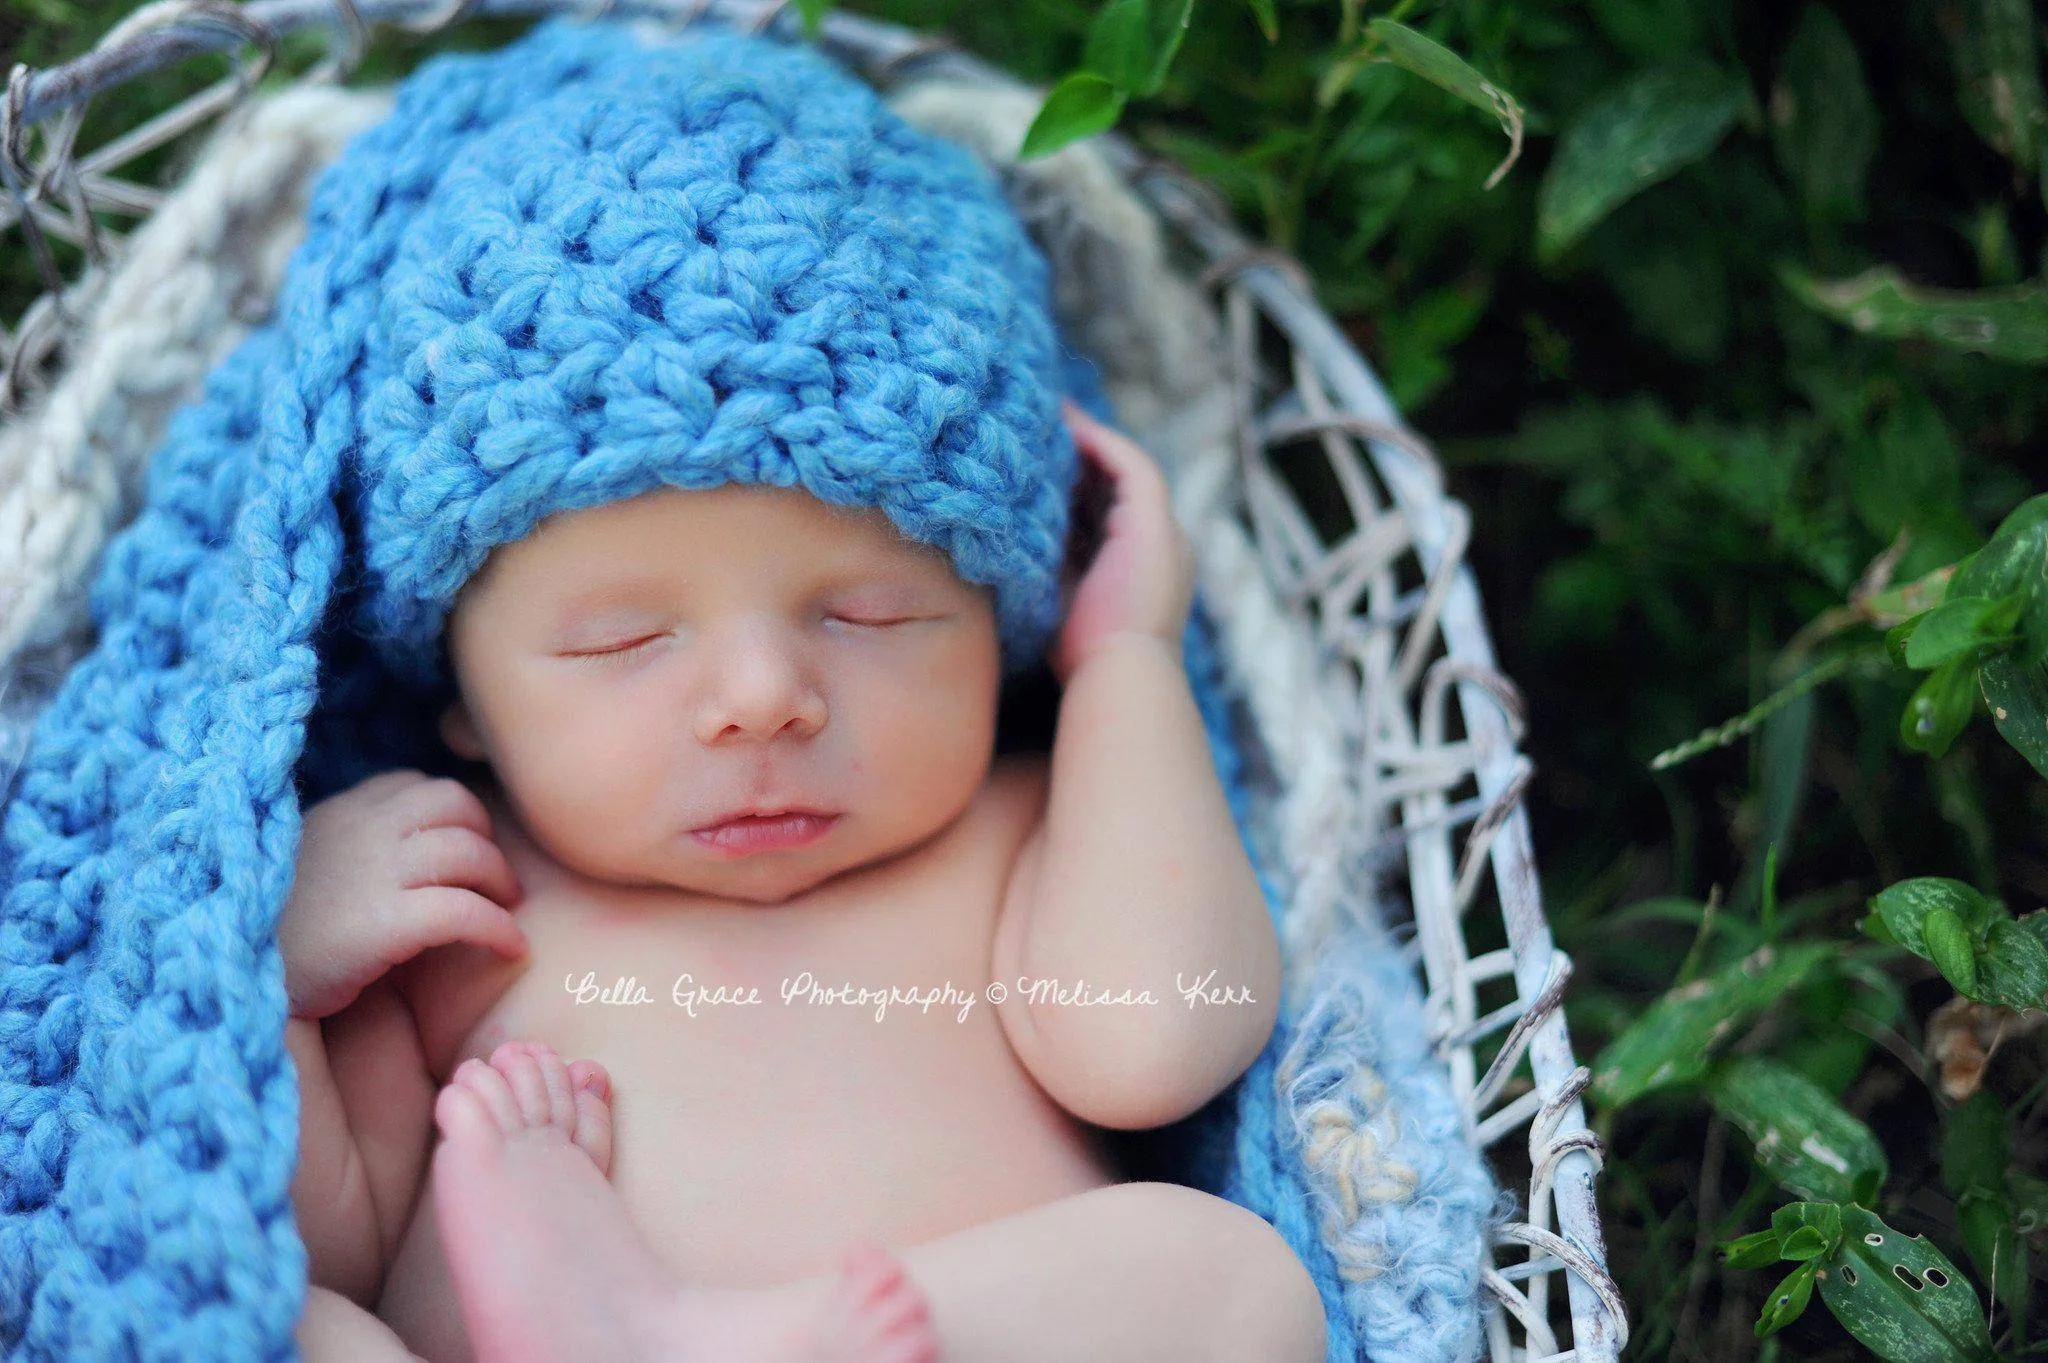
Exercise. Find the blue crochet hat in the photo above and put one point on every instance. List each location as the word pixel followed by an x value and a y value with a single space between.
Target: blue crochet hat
pixel 715 260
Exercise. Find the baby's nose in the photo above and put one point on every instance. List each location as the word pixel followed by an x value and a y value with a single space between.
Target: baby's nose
pixel 761 689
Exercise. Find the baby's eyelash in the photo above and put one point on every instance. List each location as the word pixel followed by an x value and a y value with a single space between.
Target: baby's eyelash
pixel 627 649
pixel 621 650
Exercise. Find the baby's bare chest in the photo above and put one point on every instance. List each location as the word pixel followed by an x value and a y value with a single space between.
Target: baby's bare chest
pixel 710 982
pixel 787 1076
pixel 746 1009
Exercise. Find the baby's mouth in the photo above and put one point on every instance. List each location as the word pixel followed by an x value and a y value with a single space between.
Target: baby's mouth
pixel 750 833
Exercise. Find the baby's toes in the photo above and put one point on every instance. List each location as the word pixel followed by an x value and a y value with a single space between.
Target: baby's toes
pixel 593 1097
pixel 539 1082
pixel 476 1105
pixel 883 1314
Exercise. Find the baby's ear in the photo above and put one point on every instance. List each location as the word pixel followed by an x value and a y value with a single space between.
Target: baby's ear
pixel 458 731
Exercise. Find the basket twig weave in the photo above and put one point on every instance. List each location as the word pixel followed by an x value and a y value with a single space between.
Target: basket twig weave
pixel 1427 725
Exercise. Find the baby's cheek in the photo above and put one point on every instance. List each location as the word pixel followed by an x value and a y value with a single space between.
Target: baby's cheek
pixel 588 776
pixel 933 753
pixel 618 771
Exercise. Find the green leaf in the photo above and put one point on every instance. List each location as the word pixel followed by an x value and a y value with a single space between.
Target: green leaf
pixel 1416 343
pixel 1803 1244
pixel 1908 473
pixel 1937 711
pixel 1666 262
pixel 1132 43
pixel 1119 47
pixel 1821 1219
pixel 1962 626
pixel 1907 599
pixel 1674 1039
pixel 1973 1145
pixel 1823 121
pixel 1081 105
pixel 1787 1301
pixel 1268 16
pixel 2014 963
pixel 1798 1133
pixel 2016 694
pixel 813 12
pixel 1899 636
pixel 1996 45
pixel 1752 1251
pixel 1952 949
pixel 1984 1220
pixel 2005 324
pixel 2028 1194
pixel 1654 125
pixel 1901 1296
pixel 2014 565
pixel 1424 56
pixel 1975 1148
pixel 2014 559
pixel 1903 907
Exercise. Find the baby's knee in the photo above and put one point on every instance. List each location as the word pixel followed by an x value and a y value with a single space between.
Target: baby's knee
pixel 1264 1303
pixel 333 1327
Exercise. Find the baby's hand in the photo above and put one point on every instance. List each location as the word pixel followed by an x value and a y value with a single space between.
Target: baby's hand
pixel 1142 580
pixel 395 864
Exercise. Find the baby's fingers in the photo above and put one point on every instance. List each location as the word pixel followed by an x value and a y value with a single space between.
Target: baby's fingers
pixel 441 914
pixel 459 857
pixel 1136 472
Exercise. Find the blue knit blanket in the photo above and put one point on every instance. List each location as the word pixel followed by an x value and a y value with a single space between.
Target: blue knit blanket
pixel 148 1108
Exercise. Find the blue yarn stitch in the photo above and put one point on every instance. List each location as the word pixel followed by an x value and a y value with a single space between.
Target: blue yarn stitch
pixel 559 274
pixel 714 261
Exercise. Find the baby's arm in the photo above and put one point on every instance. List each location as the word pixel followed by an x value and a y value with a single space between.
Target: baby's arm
pixel 1136 876
pixel 365 1129
pixel 1135 873
pixel 394 865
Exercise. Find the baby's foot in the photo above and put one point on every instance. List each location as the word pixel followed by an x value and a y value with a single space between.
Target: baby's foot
pixel 874 1313
pixel 549 1266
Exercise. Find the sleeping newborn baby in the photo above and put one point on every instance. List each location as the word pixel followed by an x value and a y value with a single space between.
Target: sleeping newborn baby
pixel 740 737
pixel 744 1005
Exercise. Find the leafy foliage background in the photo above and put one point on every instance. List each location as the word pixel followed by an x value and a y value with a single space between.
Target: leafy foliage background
pixel 1676 463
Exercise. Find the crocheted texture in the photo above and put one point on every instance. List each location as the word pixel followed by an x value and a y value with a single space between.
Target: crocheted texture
pixel 148 1110
pixel 184 290
pixel 1382 1197
pixel 722 260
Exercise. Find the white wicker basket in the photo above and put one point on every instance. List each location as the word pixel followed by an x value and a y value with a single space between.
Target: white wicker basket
pixel 1360 654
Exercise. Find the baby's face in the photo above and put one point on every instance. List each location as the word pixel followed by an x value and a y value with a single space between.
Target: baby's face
pixel 636 670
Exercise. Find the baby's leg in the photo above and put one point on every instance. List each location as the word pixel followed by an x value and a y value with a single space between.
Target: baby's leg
pixel 1131 1272
pixel 336 1330
pixel 550 1266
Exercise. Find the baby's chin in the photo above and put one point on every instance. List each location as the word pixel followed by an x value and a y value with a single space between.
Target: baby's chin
pixel 766 878
pixel 774 878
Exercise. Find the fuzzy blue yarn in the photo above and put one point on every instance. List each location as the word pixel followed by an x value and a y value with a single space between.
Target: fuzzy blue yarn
pixel 1365 1010
pixel 262 642
pixel 720 260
